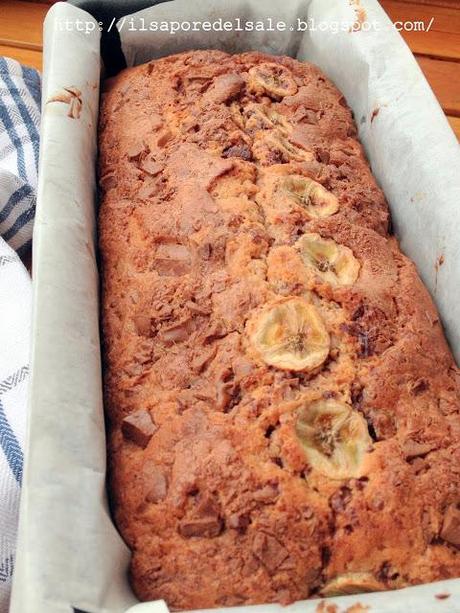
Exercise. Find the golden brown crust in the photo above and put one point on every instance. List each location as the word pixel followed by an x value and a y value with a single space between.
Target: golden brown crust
pixel 212 168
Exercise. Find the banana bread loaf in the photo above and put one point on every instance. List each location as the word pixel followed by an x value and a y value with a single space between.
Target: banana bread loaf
pixel 282 406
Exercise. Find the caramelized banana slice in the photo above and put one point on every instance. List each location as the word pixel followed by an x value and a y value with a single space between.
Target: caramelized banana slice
pixel 334 263
pixel 334 438
pixel 261 117
pixel 351 583
pixel 312 196
pixel 289 334
pixel 273 79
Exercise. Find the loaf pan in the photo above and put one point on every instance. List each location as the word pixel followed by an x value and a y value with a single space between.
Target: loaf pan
pixel 70 555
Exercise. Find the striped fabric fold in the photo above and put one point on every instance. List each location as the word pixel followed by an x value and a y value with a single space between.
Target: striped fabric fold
pixel 19 151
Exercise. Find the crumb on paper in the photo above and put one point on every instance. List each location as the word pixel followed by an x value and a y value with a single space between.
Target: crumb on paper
pixel 374 113
pixel 442 596
pixel 439 262
pixel 360 13
pixel 437 265
pixel 71 96
pixel 326 607
pixel 358 608
pixel 329 607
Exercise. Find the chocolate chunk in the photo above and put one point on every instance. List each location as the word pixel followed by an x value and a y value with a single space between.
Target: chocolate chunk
pixel 155 483
pixel 429 524
pixel 450 531
pixel 387 573
pixel 225 88
pixel 199 309
pixel 267 494
pixel 275 157
pixel 322 155
pixel 205 251
pixel 381 423
pixel 174 251
pixel 146 190
pixel 172 260
pixel 188 161
pixel 238 151
pixel 171 268
pixel 239 521
pixel 366 348
pixel 231 600
pixel 205 520
pixel 418 387
pixel 208 506
pixel 303 115
pixel 164 138
pixel 178 333
pixel 303 135
pixel 307 512
pixel 357 395
pixel 151 167
pixel 216 330
pixel 413 449
pixel 135 151
pixel 202 358
pixel 340 499
pixel 143 325
pixel 208 527
pixel 204 393
pixel 138 427
pixel 224 391
pixel 269 551
pixel 325 555
pixel 376 503
pixel 360 483
pixel 242 368
pixel 219 280
pixel 108 181
pixel 358 312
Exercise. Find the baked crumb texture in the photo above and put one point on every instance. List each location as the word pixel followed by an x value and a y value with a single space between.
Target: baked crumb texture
pixel 282 404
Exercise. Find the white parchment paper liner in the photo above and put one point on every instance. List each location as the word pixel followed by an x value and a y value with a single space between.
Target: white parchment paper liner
pixel 68 550
pixel 70 554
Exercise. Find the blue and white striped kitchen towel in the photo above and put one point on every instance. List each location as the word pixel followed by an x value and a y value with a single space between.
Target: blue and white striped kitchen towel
pixel 19 145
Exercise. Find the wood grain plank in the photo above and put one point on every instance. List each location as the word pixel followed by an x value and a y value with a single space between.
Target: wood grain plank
pixel 445 3
pixel 23 20
pixel 29 57
pixel 21 23
pixel 444 78
pixel 443 39
pixel 455 125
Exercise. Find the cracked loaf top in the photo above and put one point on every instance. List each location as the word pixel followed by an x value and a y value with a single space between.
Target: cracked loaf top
pixel 282 404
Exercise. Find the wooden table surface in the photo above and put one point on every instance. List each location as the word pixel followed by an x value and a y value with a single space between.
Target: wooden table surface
pixel 437 51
